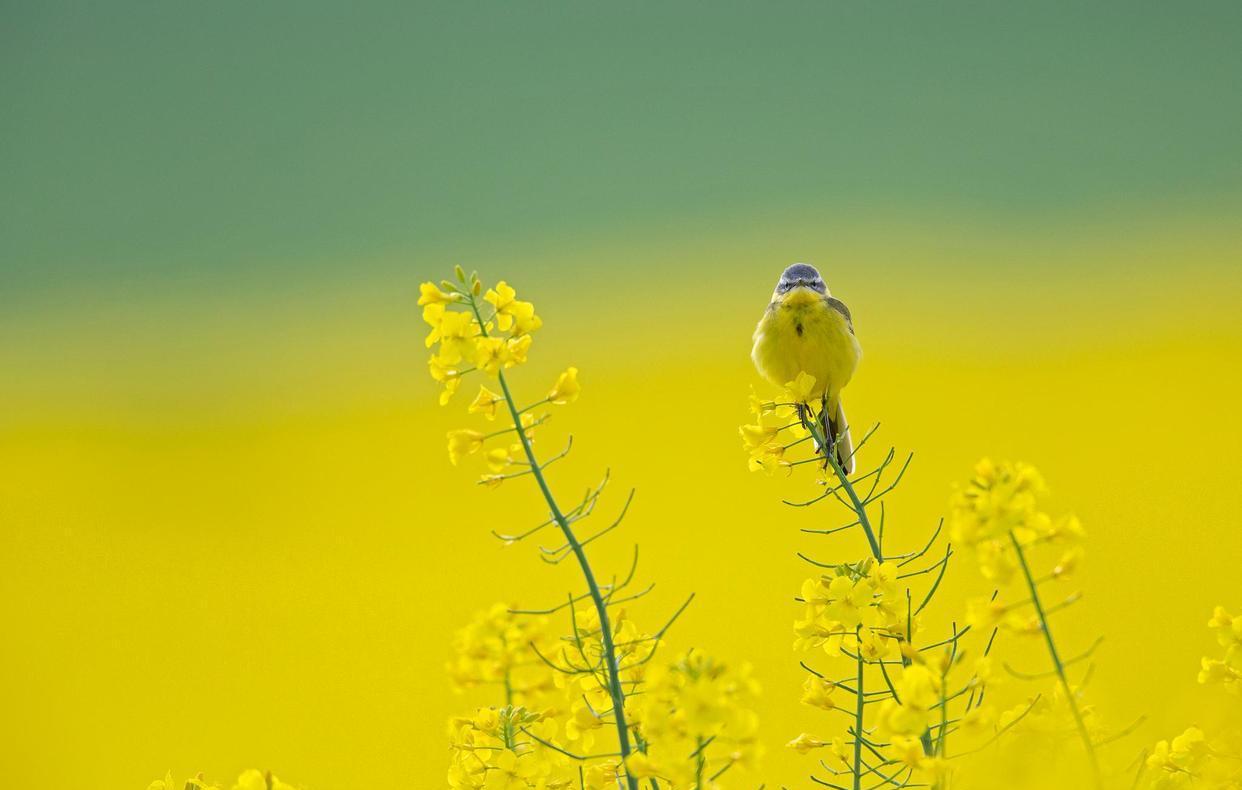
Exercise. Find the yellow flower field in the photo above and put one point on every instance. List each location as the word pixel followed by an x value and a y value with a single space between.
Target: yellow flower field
pixel 379 409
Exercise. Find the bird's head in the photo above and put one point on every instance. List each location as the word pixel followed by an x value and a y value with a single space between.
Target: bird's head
pixel 801 275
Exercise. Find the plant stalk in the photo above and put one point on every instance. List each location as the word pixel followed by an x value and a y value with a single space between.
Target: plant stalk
pixel 601 607
pixel 1056 661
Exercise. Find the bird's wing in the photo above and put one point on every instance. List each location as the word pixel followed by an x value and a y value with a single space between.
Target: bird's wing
pixel 839 306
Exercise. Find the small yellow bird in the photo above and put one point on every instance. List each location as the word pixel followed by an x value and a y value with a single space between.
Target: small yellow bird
pixel 806 330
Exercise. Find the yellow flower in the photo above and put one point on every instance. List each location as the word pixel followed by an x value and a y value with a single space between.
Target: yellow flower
pixel 640 766
pixel 756 437
pixel 977 721
pixel 510 772
pixel 524 320
pixel 1068 563
pixel 518 347
pixel 529 422
pixel 1000 498
pixel 817 693
pixel 510 313
pixel 498 459
pixel 806 742
pixel 453 332
pixel 801 388
pixel 429 293
pixel 494 353
pixel 497 644
pixel 603 776
pixel 491 353
pixel 903 719
pixel 195 783
pixel 167 783
pixel 1227 627
pixel 909 750
pixel 1216 671
pixel 257 780
pixel 874 645
pixel 485 403
pixel 251 780
pixel 919 686
pixel 500 297
pixel 983 613
pixel 432 314
pixel 566 388
pixel 997 561
pixel 447 375
pixel 983 668
pixel 582 720
pixel 463 442
pixel 849 599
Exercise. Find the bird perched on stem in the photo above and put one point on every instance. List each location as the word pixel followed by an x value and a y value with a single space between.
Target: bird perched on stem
pixel 806 330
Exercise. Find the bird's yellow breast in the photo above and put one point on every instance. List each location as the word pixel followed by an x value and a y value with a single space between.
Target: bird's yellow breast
pixel 801 332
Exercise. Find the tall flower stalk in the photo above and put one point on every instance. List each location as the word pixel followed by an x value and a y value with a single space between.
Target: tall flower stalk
pixel 865 611
pixel 495 343
pixel 681 728
pixel 999 518
pixel 615 692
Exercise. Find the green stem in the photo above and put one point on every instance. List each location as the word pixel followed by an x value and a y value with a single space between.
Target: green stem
pixel 601 606
pixel 1056 660
pixel 860 511
pixel 830 456
pixel 698 768
pixel 615 691
pixel 858 720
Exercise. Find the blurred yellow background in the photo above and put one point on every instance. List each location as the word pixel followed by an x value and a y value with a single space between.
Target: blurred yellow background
pixel 229 533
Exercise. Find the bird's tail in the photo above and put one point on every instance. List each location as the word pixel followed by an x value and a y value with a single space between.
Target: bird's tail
pixel 837 432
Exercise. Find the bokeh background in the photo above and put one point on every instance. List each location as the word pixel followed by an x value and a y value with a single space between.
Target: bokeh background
pixel 229 535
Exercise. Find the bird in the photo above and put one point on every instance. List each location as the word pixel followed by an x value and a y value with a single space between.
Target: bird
pixel 806 329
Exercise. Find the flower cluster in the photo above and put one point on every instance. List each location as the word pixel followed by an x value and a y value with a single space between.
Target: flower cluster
pixel 466 341
pixel 249 780
pixel 497 647
pixel 1044 722
pixel 696 721
pixel 998 512
pixel 1192 760
pixel 542 742
pixel 1226 671
pixel 692 719
pixel 584 672
pixel 778 427
pixel 858 608
pixel 500 749
pixel 998 516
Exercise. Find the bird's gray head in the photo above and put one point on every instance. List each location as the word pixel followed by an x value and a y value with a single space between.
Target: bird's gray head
pixel 801 275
